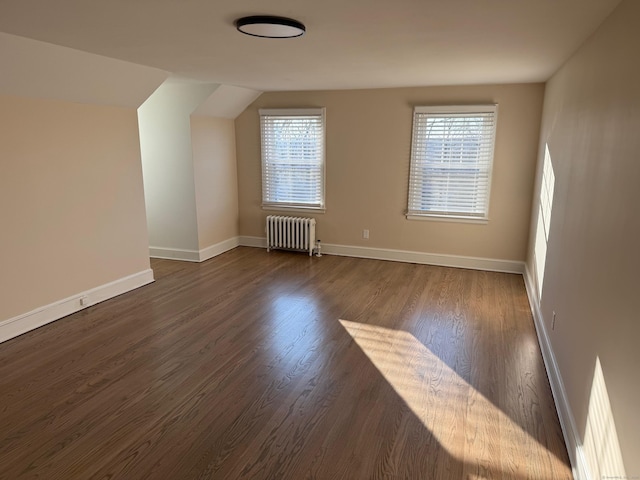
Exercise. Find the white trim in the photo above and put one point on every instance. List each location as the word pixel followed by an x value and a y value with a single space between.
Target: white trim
pixel 447 218
pixel 221 247
pixel 443 260
pixel 174 254
pixel 25 322
pixel 194 255
pixel 572 440
pixel 291 112
pixel 287 209
pixel 482 108
pixel 457 261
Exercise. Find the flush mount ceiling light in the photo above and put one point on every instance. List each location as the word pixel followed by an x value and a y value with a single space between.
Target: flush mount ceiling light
pixel 267 26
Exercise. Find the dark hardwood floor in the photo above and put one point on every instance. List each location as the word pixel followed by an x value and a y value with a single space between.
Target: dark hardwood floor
pixel 275 365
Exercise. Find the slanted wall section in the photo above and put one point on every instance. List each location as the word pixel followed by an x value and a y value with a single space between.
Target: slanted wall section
pixel 187 137
pixel 167 163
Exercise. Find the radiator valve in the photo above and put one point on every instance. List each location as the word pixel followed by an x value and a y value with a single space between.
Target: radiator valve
pixel 318 249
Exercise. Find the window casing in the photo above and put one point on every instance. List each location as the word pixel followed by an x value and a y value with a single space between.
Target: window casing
pixel 451 162
pixel 293 158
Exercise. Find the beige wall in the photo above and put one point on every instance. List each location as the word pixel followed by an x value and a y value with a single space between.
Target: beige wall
pixel 368 152
pixel 72 213
pixel 216 182
pixel 591 126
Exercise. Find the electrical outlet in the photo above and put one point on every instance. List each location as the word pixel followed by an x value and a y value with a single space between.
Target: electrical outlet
pixel 365 234
pixel 553 321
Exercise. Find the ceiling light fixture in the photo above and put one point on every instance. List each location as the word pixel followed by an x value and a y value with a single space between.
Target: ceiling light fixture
pixel 268 26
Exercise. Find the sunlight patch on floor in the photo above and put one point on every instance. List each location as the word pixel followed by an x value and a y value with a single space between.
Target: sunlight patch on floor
pixel 466 424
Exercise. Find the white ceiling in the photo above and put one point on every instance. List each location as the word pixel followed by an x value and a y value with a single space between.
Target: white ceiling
pixel 348 44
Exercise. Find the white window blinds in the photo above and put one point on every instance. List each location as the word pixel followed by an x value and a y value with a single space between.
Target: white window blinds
pixel 451 160
pixel 293 157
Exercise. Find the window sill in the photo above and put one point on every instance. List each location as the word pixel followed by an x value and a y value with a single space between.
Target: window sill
pixel 447 218
pixel 284 208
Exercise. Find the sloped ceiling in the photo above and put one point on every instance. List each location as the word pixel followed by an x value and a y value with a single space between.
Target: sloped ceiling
pixel 349 44
pixel 37 69
pixel 227 101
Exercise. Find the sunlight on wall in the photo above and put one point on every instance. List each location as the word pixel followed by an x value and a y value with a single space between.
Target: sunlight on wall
pixel 463 421
pixel 544 218
pixel 600 439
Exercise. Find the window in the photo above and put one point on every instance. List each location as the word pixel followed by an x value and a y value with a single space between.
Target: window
pixel 293 158
pixel 451 158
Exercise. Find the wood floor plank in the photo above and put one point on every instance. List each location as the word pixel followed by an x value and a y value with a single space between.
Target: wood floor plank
pixel 257 365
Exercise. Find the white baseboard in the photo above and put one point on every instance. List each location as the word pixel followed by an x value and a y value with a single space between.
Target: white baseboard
pixel 215 250
pixel 458 261
pixel 567 420
pixel 174 254
pixel 194 255
pixel 15 326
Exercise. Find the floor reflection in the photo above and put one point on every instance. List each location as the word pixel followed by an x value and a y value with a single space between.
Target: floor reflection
pixel 292 323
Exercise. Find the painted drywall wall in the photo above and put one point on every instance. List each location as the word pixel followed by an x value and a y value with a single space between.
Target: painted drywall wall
pixel 368 144
pixel 71 200
pixel 167 163
pixel 216 182
pixel 590 139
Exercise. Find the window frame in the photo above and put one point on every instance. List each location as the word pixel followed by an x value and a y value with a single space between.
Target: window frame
pixel 294 112
pixel 442 111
